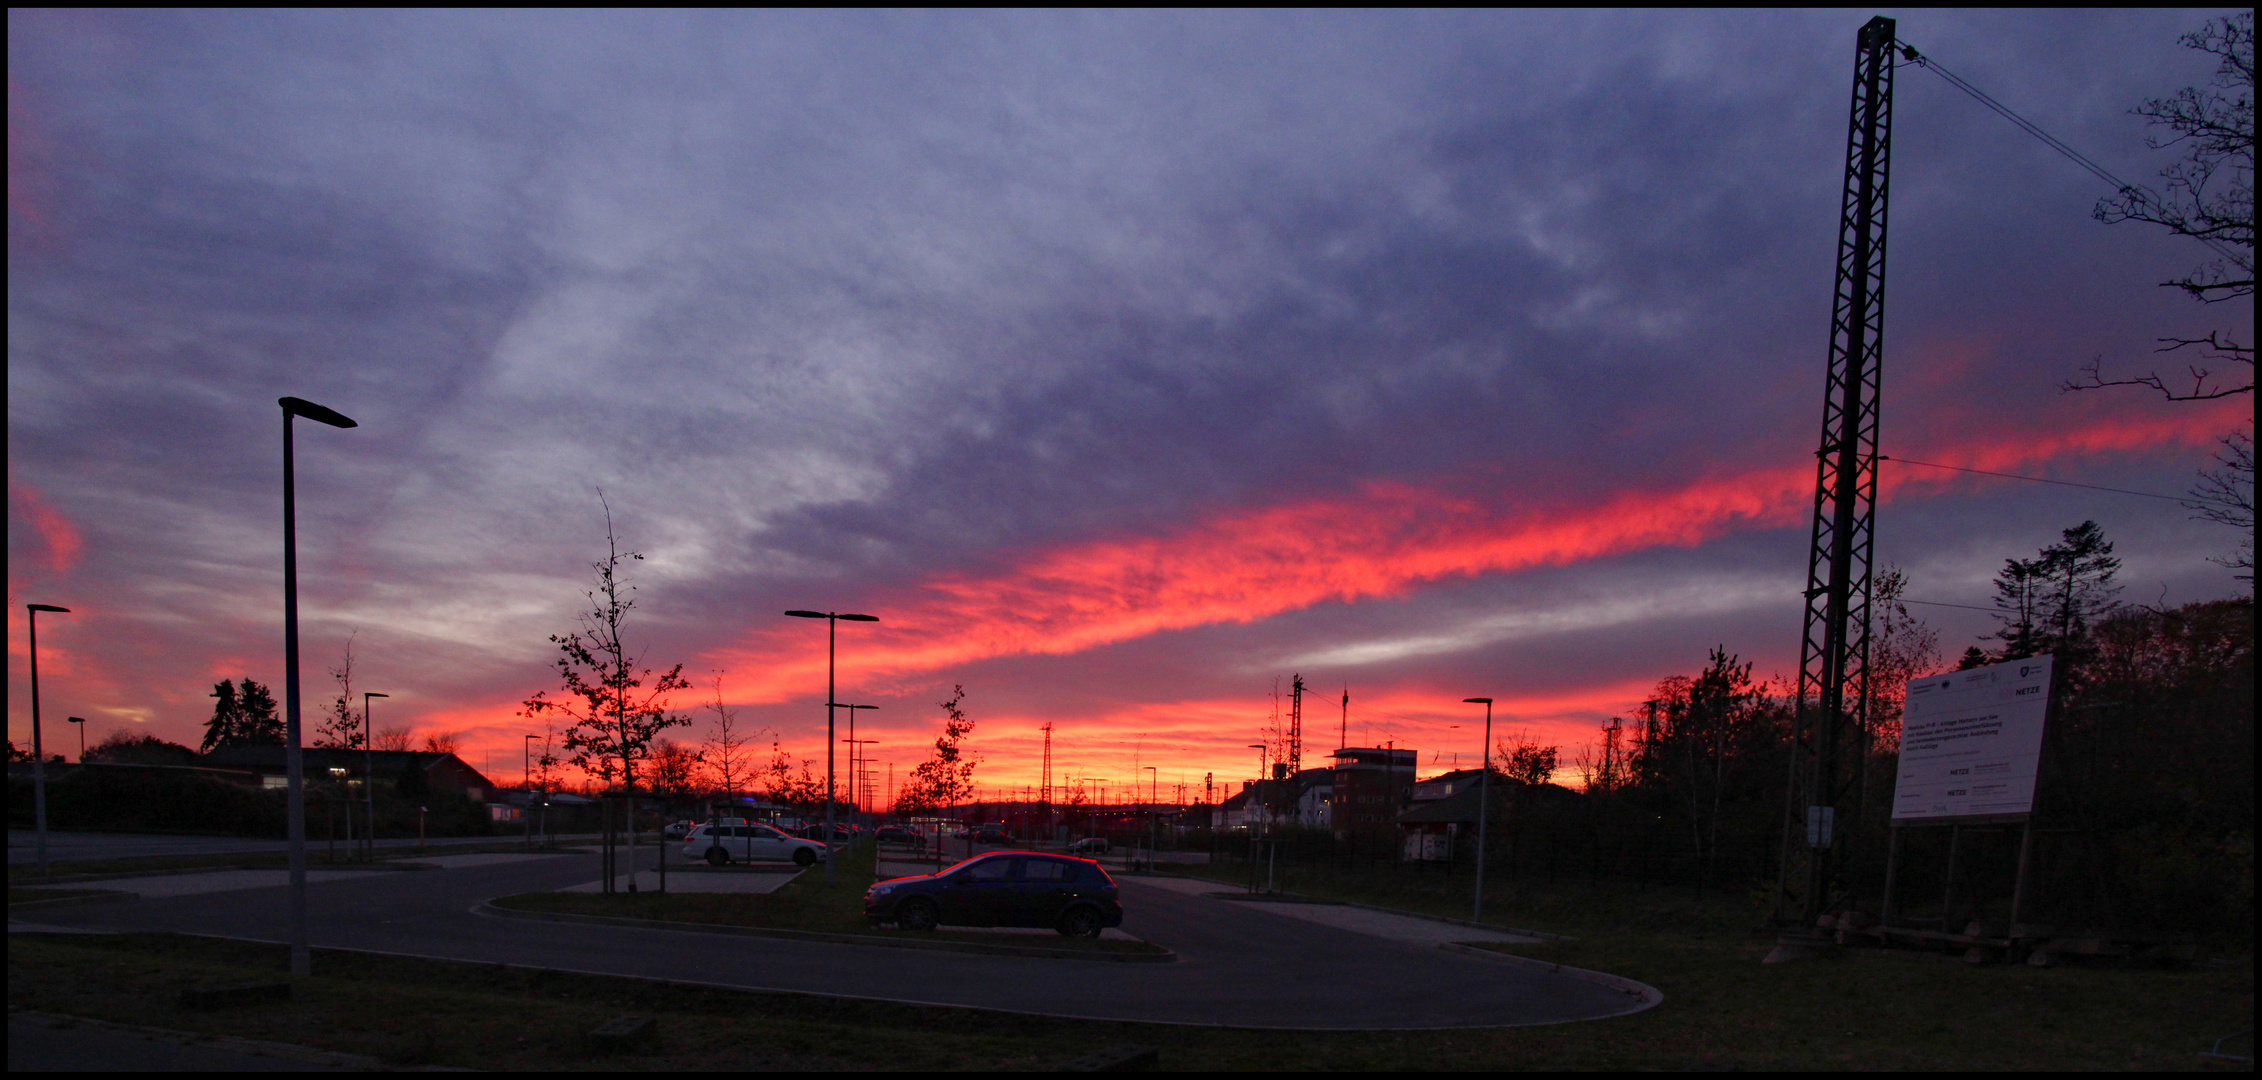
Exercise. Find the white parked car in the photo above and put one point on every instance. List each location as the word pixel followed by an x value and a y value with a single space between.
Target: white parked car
pixel 721 845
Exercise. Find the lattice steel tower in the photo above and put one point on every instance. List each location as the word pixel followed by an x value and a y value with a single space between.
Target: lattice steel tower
pixel 1833 691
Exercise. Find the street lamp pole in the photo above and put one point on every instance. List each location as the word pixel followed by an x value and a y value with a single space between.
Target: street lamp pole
pixel 369 770
pixel 81 722
pixel 38 750
pixel 1151 780
pixel 854 777
pixel 1484 802
pixel 294 763
pixel 832 634
pixel 526 784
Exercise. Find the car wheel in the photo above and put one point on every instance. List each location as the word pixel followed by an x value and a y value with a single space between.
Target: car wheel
pixel 804 857
pixel 716 856
pixel 917 915
pixel 1080 922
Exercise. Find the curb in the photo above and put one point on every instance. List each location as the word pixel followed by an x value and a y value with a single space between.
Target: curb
pixel 112 897
pixel 1647 996
pixel 489 909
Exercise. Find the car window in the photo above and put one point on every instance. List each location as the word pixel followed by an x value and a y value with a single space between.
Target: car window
pixel 1046 870
pixel 990 870
pixel 768 833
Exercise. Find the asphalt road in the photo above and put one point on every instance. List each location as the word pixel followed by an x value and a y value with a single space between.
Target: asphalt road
pixel 1239 964
pixel 81 846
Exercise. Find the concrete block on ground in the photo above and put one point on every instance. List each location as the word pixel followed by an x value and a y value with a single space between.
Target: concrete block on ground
pixel 622 1034
pixel 1115 1059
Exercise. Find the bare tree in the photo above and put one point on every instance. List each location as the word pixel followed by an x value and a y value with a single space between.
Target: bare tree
pixel 2209 197
pixel 341 727
pixel 1904 648
pixel 2225 495
pixel 724 751
pixel 442 742
pixel 392 738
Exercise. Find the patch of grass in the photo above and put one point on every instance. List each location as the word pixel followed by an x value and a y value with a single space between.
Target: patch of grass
pixel 27 896
pixel 806 903
pixel 1722 1008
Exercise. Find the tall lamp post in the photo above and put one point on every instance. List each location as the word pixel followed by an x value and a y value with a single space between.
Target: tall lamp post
pixel 81 722
pixel 369 770
pixel 1151 797
pixel 1484 801
pixel 526 783
pixel 294 763
pixel 832 636
pixel 854 777
pixel 38 750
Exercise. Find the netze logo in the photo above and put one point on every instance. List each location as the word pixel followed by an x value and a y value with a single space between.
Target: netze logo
pixel 1956 791
pixel 2031 690
pixel 1959 772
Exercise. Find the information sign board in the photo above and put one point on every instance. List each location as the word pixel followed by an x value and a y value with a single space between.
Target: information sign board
pixel 1971 742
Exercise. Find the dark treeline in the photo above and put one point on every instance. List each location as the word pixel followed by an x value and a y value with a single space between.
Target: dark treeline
pixel 2144 806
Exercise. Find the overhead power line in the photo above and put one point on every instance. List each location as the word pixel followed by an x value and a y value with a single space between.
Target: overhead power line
pixel 2053 142
pixel 2060 483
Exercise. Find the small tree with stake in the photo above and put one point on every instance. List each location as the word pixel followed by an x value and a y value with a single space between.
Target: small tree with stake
pixel 614 709
pixel 946 779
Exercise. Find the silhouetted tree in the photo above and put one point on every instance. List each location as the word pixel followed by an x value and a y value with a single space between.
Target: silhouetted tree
pixel 2210 196
pixel 341 729
pixel 946 779
pixel 227 718
pixel 612 718
pixel 723 752
pixel 122 747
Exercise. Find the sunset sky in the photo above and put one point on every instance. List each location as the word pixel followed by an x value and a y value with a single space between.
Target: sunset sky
pixel 1124 364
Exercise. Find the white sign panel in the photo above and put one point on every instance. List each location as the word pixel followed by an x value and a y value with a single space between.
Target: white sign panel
pixel 1971 741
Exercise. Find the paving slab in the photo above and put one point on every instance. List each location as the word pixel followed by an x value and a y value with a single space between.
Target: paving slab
pixel 228 881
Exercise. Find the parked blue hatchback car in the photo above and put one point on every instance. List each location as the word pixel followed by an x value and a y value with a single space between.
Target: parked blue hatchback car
pixel 1007 888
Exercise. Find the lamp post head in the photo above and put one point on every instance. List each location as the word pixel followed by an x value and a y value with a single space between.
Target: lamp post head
pixel 301 407
pixel 47 607
pixel 76 719
pixel 808 614
pixel 857 618
pixel 372 693
pixel 1478 700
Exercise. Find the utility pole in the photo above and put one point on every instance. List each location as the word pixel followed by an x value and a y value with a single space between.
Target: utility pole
pixel 1295 725
pixel 1044 792
pixel 1343 726
pixel 1833 685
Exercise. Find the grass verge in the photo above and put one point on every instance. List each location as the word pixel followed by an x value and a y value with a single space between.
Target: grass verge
pixel 807 903
pixel 1811 1016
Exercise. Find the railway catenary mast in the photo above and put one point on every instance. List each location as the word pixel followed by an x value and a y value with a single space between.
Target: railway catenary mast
pixel 1833 690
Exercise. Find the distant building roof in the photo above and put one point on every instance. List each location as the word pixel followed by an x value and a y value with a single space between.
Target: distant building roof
pixel 317 760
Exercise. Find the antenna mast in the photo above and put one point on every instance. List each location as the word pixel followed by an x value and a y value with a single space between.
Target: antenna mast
pixel 1834 653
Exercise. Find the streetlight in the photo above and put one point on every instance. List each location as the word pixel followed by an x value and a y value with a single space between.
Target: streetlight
pixel 854 777
pixel 1484 783
pixel 81 722
pixel 526 783
pixel 294 761
pixel 38 751
pixel 1150 816
pixel 832 635
pixel 369 770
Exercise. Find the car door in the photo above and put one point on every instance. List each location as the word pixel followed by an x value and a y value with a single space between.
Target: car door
pixel 770 845
pixel 981 894
pixel 1041 893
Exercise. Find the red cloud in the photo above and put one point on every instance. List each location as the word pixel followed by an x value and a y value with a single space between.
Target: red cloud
pixel 1384 541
